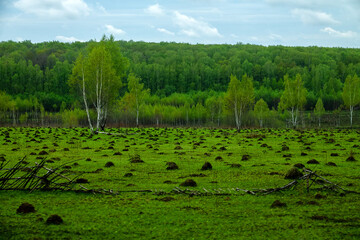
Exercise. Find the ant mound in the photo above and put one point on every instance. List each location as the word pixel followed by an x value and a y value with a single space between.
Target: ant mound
pixel 350 159
pixel 82 180
pixel 136 159
pixel 128 175
pixel 54 219
pixel 25 208
pixel 293 173
pixel 109 164
pixel 331 164
pixel 278 204
pixel 43 153
pixel 313 161
pixel 299 165
pixel 171 166
pixel 188 183
pixel 206 166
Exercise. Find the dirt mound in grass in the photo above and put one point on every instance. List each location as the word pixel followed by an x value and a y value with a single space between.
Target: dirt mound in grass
pixel 278 204
pixel 109 164
pixel 82 180
pixel 351 159
pixel 313 161
pixel 26 208
pixel 188 183
pixel 206 166
pixel 135 159
pixel 219 158
pixel 299 165
pixel 293 173
pixel 172 166
pixel 128 175
pixel 285 148
pixel 245 157
pixel 331 164
pixel 54 219
pixel 43 153
pixel 235 165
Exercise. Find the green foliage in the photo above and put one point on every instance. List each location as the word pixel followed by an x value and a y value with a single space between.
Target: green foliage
pixel 71 118
pixel 239 97
pixel 5 102
pixel 293 98
pixel 261 111
pixel 351 94
pixel 98 76
pixel 136 95
pixel 319 110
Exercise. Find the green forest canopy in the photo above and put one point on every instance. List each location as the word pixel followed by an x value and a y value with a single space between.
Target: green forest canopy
pixel 42 70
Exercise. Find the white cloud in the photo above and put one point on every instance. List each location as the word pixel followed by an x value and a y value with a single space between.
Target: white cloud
pixel 67 39
pixel 194 28
pixel 336 33
pixel 313 17
pixel 310 3
pixel 101 8
pixel 155 10
pixel 274 36
pixel 113 30
pixel 54 8
pixel 163 30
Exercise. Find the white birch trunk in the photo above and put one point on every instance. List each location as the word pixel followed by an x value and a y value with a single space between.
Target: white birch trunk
pixel 85 102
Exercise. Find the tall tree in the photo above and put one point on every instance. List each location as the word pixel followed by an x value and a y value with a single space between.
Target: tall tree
pixel 351 94
pixel 261 111
pixel 214 105
pixel 293 98
pixel 99 82
pixel 319 110
pixel 239 97
pixel 136 95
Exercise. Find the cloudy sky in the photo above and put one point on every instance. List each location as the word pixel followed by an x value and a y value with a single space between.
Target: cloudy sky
pixel 330 23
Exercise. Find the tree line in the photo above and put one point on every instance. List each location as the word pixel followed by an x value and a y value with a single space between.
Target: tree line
pixel 177 83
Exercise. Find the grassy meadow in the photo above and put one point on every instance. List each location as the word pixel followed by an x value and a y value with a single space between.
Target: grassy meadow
pixel 249 159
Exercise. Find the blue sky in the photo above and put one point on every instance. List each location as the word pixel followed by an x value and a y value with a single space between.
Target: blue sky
pixel 329 23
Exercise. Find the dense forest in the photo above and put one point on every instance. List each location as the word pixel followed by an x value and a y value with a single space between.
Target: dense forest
pixel 35 76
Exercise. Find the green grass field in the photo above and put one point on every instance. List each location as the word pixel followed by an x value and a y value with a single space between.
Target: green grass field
pixel 249 159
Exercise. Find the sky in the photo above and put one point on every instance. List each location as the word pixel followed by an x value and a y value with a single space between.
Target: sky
pixel 326 23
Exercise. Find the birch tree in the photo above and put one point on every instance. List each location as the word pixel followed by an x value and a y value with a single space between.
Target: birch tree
pixel 293 98
pixel 319 110
pixel 351 94
pixel 239 97
pixel 261 111
pixel 99 81
pixel 214 105
pixel 136 95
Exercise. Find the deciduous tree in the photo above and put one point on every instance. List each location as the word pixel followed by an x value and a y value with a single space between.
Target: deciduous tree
pixel 351 94
pixel 98 80
pixel 261 111
pixel 136 95
pixel 239 97
pixel 319 110
pixel 293 98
